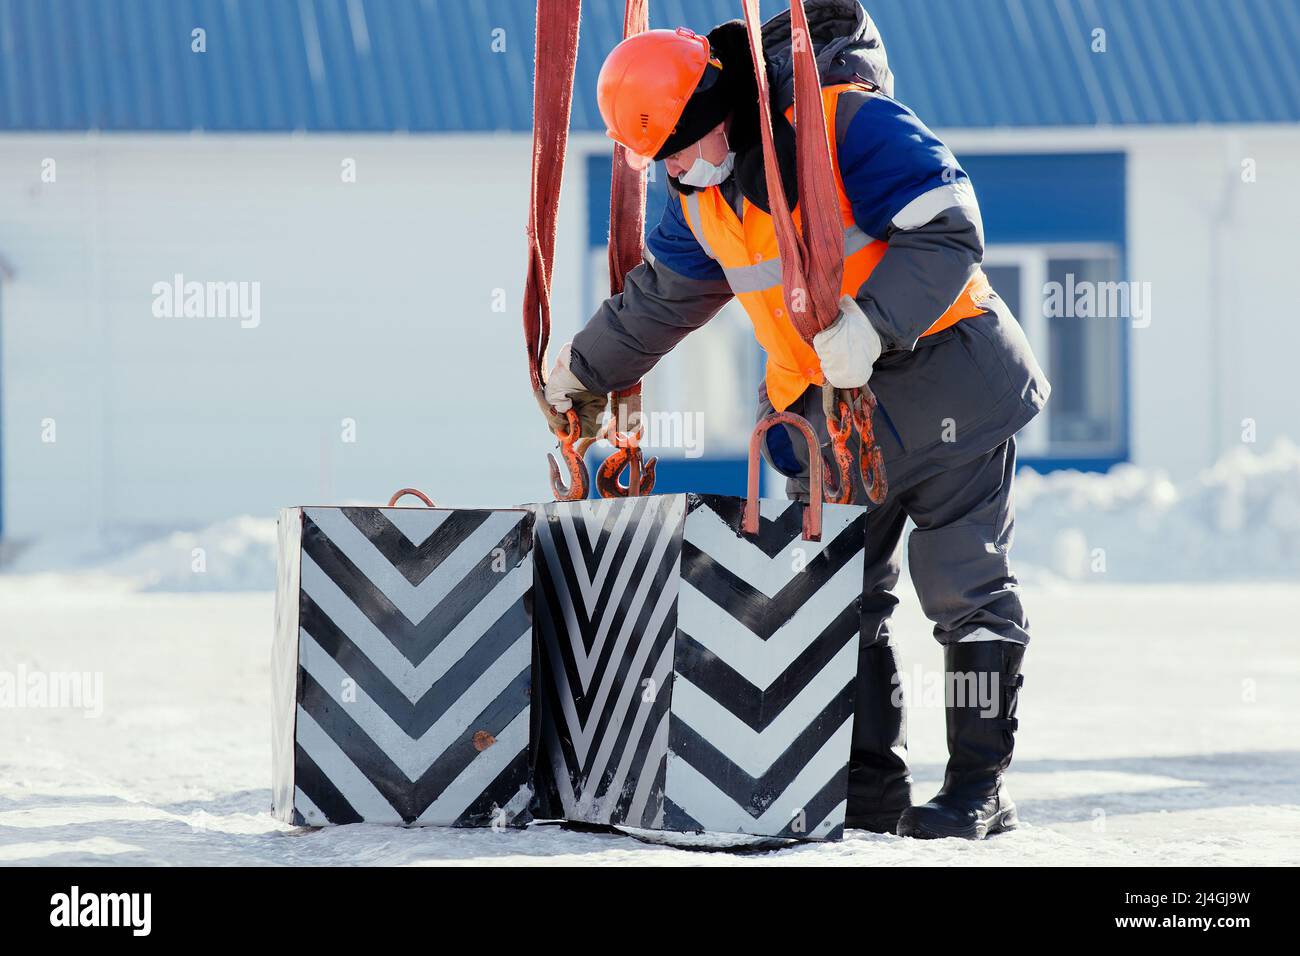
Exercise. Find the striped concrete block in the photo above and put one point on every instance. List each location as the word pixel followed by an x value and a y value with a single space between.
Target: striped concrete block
pixel 401 666
pixel 691 677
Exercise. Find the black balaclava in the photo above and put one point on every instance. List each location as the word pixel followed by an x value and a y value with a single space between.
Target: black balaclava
pixel 733 91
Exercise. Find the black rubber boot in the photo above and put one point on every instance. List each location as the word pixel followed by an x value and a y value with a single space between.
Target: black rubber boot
pixel 973 803
pixel 880 787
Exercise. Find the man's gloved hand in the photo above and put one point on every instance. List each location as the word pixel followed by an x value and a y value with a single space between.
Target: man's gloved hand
pixel 564 391
pixel 849 348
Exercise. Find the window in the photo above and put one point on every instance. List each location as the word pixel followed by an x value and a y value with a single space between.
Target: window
pixel 1075 311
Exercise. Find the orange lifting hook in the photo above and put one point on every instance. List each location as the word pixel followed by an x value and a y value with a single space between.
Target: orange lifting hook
pixel 640 474
pixel 855 409
pixel 579 481
pixel 871 462
pixel 840 427
pixel 625 409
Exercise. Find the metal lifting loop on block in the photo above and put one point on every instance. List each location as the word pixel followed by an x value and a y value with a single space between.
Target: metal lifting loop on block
pixel 416 492
pixel 812 514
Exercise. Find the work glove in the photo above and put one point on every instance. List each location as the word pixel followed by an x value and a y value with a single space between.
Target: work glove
pixel 849 347
pixel 565 391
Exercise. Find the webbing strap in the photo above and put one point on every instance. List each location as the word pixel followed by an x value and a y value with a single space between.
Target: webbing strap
pixel 627 219
pixel 627 187
pixel 812 264
pixel 555 58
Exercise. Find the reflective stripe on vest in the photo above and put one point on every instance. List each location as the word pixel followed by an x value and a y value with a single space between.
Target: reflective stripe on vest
pixel 765 274
pixel 745 247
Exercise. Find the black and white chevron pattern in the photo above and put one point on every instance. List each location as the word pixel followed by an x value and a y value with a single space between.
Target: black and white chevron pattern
pixel 606 587
pixel 691 678
pixel 767 652
pixel 413 663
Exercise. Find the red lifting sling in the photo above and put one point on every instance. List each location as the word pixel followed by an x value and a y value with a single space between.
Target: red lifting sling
pixel 555 60
pixel 557 40
pixel 626 234
pixel 812 264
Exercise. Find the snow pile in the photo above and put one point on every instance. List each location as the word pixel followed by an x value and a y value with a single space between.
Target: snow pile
pixel 237 554
pixel 1239 520
pixel 233 555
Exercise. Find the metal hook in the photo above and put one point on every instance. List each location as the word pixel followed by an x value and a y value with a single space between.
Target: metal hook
pixel 579 481
pixel 840 428
pixel 640 477
pixel 871 463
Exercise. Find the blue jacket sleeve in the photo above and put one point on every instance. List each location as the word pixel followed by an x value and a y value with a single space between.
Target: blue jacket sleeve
pixel 672 243
pixel 907 189
pixel 888 159
pixel 677 289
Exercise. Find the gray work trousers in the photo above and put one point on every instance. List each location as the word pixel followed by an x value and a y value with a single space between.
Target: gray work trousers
pixel 958 553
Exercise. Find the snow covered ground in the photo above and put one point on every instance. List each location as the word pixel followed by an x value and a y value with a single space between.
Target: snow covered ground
pixel 1159 726
pixel 1160 722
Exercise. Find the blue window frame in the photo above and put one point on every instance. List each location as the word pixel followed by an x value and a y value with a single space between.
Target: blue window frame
pixel 1049 218
pixel 1055 231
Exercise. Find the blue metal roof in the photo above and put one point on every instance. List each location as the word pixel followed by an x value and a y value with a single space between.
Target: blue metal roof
pixel 431 66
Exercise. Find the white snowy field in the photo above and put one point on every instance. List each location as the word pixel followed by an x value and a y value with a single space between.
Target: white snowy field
pixel 1160 725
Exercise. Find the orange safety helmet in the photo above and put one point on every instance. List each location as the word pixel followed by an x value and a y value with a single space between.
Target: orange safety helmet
pixel 644 85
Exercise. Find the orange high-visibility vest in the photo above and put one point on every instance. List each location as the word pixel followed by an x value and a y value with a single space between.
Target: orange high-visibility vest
pixel 746 249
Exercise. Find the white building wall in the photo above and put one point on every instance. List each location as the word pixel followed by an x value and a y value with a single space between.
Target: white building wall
pixel 1221 256
pixel 377 305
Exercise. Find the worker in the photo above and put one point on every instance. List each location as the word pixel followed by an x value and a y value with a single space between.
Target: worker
pixel 953 374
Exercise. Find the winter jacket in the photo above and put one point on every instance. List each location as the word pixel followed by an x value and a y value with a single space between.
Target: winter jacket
pixel 943 398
